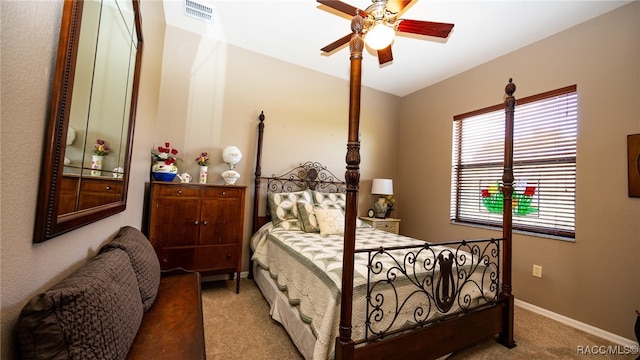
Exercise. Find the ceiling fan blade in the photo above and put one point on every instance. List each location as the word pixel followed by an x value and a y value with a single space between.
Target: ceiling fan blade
pixel 429 28
pixel 385 55
pixel 336 44
pixel 397 5
pixel 343 7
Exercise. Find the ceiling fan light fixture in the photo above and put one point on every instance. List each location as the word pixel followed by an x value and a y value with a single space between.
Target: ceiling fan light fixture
pixel 380 36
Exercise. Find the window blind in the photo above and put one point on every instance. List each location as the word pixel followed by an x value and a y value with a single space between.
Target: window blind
pixel 544 164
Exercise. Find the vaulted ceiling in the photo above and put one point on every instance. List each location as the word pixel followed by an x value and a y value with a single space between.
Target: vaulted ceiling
pixel 295 30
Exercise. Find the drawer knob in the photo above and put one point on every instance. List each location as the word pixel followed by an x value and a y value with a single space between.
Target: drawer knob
pixel 179 192
pixel 228 255
pixel 196 222
pixel 224 193
pixel 108 188
pixel 204 222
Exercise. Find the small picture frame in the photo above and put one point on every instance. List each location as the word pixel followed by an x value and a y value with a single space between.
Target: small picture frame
pixel 371 213
pixel 633 158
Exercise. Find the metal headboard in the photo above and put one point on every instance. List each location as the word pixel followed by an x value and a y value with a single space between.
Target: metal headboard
pixel 310 175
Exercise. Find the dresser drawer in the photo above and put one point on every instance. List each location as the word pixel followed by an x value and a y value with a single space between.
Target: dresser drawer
pixel 100 186
pixel 387 226
pixel 176 190
pixel 222 258
pixel 223 192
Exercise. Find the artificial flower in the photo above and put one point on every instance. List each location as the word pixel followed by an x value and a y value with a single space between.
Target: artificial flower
pixel 390 201
pixel 203 159
pixel 101 148
pixel 166 154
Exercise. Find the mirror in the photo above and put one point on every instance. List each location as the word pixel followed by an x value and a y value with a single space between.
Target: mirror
pixel 87 153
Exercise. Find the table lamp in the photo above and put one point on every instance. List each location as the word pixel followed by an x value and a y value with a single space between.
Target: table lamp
pixel 381 187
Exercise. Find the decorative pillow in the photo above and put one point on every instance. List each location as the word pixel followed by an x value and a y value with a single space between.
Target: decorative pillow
pixel 143 260
pixel 307 217
pixel 95 312
pixel 329 200
pixel 330 221
pixel 334 201
pixel 291 224
pixel 282 206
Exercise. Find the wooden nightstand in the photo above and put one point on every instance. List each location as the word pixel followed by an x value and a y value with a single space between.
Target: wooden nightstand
pixel 389 224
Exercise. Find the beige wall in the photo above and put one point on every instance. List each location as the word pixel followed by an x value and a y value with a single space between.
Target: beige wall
pixel 211 95
pixel 29 42
pixel 198 94
pixel 203 95
pixel 595 279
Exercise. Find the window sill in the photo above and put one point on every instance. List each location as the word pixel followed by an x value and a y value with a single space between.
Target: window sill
pixel 521 232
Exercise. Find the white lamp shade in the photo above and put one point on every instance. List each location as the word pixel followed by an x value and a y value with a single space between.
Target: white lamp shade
pixel 231 155
pixel 382 187
pixel 380 36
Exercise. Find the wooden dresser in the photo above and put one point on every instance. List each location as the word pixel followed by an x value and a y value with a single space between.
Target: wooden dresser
pixel 198 227
pixel 79 194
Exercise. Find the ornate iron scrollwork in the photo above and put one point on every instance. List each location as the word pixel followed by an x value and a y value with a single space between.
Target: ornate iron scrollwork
pixel 310 175
pixel 433 281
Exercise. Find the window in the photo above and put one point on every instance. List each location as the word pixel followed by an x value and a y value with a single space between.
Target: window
pixel 544 164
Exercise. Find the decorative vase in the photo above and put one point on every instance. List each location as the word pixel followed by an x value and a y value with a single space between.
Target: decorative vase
pixel 163 172
pixel 230 177
pixel 96 163
pixel 203 174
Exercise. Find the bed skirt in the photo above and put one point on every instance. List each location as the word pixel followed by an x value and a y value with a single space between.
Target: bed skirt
pixel 282 312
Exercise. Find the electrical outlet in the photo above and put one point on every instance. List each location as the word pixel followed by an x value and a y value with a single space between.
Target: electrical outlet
pixel 537 271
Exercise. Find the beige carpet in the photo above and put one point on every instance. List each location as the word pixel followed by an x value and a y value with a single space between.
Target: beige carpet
pixel 238 326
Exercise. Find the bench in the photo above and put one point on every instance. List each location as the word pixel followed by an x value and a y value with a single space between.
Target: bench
pixel 119 305
pixel 173 327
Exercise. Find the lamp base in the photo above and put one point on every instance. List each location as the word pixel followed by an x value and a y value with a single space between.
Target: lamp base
pixel 230 177
pixel 380 208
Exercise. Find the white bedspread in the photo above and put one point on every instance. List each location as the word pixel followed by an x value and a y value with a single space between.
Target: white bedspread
pixel 308 268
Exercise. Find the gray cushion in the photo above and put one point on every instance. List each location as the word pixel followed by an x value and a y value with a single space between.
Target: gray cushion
pixel 94 313
pixel 143 259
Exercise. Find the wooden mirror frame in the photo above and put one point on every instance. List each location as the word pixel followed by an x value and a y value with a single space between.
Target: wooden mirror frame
pixel 49 223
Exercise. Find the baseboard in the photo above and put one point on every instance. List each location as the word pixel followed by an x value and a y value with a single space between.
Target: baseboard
pixel 616 339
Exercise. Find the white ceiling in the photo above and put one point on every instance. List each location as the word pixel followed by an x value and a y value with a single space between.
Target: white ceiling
pixel 295 30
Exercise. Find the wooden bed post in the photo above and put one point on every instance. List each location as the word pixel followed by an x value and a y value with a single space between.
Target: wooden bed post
pixel 506 336
pixel 258 173
pixel 256 192
pixel 344 343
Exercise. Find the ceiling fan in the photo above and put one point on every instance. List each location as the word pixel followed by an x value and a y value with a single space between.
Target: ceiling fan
pixel 380 24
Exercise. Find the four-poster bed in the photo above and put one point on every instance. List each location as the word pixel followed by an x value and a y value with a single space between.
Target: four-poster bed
pixel 353 292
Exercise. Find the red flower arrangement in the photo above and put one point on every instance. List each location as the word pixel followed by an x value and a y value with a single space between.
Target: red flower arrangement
pixel 166 154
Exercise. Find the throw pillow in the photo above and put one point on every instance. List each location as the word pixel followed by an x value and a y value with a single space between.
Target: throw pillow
pixel 96 311
pixel 143 260
pixel 330 221
pixel 282 206
pixel 307 217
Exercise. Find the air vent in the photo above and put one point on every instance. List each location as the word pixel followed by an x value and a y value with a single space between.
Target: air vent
pixel 198 11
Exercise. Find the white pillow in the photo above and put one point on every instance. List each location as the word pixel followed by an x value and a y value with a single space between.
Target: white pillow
pixel 330 221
